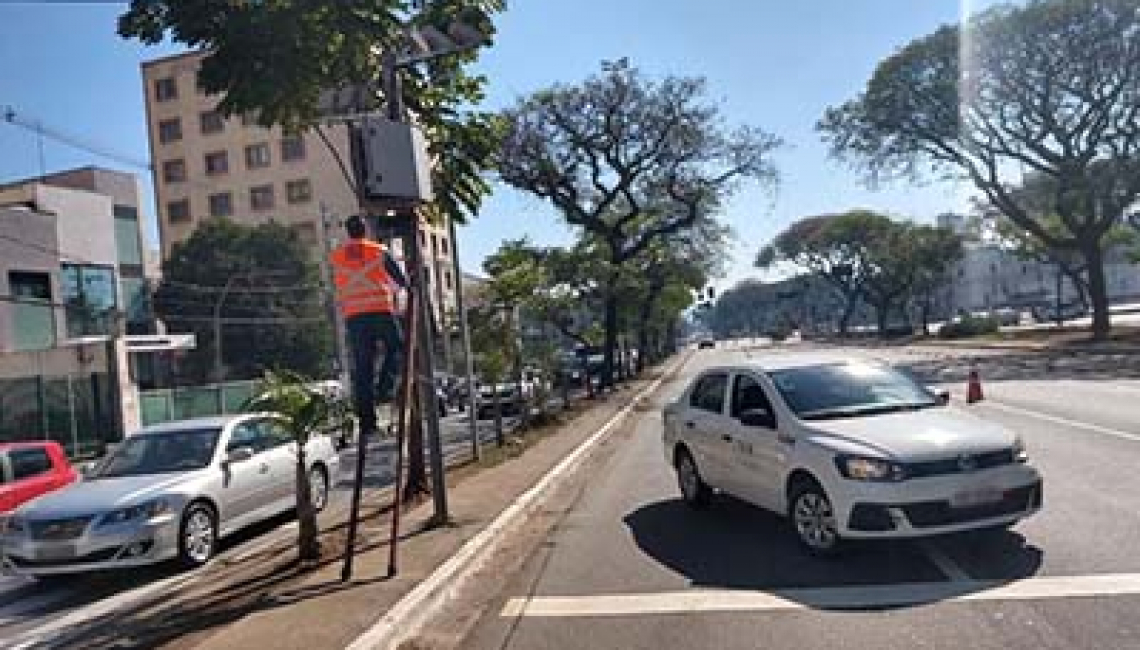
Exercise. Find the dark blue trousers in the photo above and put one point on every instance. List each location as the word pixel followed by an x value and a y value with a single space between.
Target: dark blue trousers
pixel 365 333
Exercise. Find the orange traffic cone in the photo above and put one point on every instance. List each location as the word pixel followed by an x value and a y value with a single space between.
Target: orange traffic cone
pixel 973 388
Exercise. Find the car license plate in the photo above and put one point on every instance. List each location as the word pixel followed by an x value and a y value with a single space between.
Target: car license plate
pixel 56 552
pixel 976 497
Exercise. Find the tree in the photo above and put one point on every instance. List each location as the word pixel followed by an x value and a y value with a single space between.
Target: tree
pixel 306 411
pixel 275 59
pixel 834 247
pixel 260 282
pixel 935 252
pixel 629 160
pixel 1049 87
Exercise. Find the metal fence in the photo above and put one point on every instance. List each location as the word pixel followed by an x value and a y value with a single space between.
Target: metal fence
pixel 75 411
pixel 171 404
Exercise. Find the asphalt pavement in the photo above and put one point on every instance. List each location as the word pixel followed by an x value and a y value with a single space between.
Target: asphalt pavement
pixel 631 567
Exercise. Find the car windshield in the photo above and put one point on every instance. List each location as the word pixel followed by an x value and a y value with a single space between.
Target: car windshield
pixel 849 390
pixel 160 453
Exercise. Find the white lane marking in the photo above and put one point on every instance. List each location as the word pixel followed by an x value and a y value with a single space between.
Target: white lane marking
pixel 99 608
pixel 1096 428
pixel 944 562
pixel 406 618
pixel 864 597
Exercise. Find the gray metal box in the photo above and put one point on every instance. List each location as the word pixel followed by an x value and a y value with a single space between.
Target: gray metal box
pixel 396 163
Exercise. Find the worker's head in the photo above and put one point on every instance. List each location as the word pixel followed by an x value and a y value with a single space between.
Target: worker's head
pixel 355 227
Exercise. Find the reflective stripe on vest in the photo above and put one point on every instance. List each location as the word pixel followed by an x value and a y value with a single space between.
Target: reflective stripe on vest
pixel 362 282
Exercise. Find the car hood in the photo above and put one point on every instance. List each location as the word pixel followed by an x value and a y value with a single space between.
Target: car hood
pixel 100 495
pixel 929 434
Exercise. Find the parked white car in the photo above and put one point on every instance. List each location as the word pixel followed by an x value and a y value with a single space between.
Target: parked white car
pixel 846 449
pixel 167 492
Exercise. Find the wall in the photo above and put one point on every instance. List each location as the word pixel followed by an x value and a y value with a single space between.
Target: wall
pixel 35 239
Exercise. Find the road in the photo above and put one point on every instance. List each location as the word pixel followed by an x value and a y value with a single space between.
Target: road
pixel 631 567
pixel 32 613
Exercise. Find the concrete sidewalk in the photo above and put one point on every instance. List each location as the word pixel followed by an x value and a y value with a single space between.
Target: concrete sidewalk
pixel 266 601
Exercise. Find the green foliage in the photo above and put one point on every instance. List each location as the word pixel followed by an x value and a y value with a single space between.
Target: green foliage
pixel 274 59
pixel 269 277
pixel 1047 88
pixel 969 326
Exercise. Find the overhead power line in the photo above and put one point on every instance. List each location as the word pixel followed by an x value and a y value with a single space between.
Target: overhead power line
pixel 76 142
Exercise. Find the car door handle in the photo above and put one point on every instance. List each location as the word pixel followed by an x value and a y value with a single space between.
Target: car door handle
pixel 786 438
pixel 264 469
pixel 690 425
pixel 725 437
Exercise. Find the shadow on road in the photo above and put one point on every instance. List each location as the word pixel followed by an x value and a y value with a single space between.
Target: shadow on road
pixel 734 545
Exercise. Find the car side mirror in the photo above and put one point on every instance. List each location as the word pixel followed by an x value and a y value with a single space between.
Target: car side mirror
pixel 239 455
pixel 758 417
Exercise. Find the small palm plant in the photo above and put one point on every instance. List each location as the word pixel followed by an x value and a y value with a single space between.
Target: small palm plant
pixel 307 410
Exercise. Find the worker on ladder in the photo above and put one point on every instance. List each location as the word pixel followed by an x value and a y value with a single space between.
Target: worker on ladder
pixel 367 282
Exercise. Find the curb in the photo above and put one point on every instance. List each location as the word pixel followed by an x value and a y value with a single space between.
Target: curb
pixel 407 618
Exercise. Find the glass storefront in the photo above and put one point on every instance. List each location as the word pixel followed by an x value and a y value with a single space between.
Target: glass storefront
pixel 76 412
pixel 91 300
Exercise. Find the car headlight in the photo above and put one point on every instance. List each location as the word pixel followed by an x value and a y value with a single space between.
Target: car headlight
pixel 140 512
pixel 863 468
pixel 1020 455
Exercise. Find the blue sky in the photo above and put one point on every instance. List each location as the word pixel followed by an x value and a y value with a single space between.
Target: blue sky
pixel 770 63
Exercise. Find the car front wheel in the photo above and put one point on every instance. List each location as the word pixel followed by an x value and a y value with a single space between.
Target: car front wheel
pixel 197 536
pixel 694 490
pixel 814 519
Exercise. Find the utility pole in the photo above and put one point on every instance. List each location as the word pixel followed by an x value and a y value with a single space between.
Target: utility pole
pixel 468 359
pixel 425 374
pixel 219 367
pixel 330 299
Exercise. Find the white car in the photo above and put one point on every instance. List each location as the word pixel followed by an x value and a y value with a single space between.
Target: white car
pixel 846 449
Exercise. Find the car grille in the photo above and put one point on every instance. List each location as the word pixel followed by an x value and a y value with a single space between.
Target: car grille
pixel 939 513
pixel 59 529
pixel 954 465
pixel 98 556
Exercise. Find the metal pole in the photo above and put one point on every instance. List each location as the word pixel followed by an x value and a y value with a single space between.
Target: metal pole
pixel 330 300
pixel 219 371
pixel 468 360
pixel 426 383
pixel 402 405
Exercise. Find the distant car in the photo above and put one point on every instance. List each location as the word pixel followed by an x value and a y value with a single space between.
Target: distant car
pixel 32 469
pixel 706 344
pixel 509 399
pixel 846 449
pixel 1050 314
pixel 167 492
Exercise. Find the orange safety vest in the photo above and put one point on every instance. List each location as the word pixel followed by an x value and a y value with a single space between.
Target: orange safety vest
pixel 363 285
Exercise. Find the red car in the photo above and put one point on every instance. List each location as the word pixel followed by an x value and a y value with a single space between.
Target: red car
pixel 31 469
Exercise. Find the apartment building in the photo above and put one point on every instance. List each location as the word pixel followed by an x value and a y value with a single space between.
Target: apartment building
pixel 208 166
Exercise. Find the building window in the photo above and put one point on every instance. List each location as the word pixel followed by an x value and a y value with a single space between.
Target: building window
pixel 91 301
pixel 257 155
pixel 443 246
pixel 249 118
pixel 306 233
pixel 165 89
pixel 261 197
pixel 211 122
pixel 33 318
pixel 427 274
pixel 221 205
pixel 434 245
pixel 178 211
pixel 447 280
pixel 292 148
pixel 174 171
pixel 423 240
pixel 300 191
pixel 170 130
pixel 128 244
pixel 217 162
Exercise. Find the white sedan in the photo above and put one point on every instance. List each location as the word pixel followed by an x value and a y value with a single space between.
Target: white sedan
pixel 846 449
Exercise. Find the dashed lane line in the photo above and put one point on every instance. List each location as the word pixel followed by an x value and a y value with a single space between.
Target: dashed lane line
pixel 850 597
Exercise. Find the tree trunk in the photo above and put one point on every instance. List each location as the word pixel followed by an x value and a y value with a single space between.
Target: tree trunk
pixel 500 439
pixel 610 325
pixel 925 312
pixel 308 546
pixel 1098 290
pixel 416 484
pixel 882 314
pixel 845 317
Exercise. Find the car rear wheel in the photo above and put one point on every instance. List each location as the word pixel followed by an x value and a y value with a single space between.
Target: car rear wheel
pixel 197 536
pixel 318 488
pixel 694 490
pixel 814 519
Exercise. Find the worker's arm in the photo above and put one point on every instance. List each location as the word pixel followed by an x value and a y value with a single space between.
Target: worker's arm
pixel 394 271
